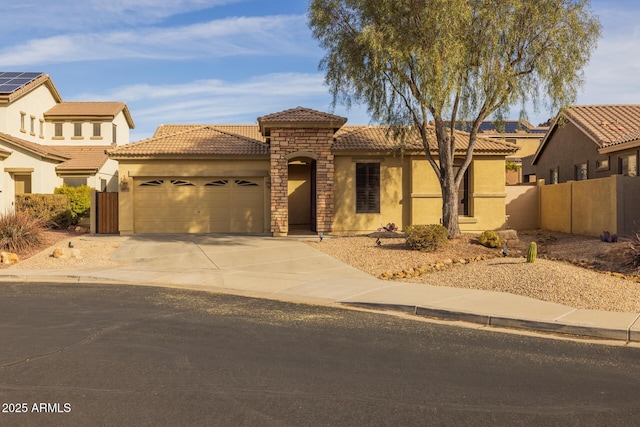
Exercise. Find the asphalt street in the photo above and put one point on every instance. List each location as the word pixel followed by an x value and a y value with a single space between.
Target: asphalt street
pixel 88 354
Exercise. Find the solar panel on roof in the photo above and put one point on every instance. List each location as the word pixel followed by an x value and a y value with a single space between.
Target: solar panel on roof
pixel 10 81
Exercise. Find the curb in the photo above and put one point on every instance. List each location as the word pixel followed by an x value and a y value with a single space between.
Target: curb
pixel 627 334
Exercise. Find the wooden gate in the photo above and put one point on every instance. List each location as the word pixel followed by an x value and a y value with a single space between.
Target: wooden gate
pixel 106 213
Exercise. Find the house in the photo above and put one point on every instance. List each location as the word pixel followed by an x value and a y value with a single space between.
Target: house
pixel 519 132
pixel 297 169
pixel 590 141
pixel 46 142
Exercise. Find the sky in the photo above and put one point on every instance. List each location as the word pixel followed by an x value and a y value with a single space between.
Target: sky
pixel 231 61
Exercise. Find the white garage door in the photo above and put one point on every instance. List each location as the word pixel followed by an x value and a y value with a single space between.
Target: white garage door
pixel 199 205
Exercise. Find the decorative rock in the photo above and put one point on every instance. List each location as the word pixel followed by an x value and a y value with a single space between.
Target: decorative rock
pixel 58 253
pixel 9 257
pixel 75 253
pixel 80 229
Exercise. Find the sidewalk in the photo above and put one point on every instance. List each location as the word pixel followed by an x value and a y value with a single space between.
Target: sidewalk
pixel 288 269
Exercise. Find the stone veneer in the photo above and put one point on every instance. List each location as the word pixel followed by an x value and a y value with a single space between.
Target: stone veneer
pixel 285 143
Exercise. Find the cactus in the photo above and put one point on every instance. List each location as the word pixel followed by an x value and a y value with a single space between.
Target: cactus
pixel 489 239
pixel 532 253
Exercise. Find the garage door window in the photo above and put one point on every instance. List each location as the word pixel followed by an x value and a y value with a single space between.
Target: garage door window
pixel 181 183
pixel 243 183
pixel 218 183
pixel 154 183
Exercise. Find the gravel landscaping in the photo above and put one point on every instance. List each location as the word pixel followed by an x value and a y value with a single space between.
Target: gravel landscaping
pixel 577 271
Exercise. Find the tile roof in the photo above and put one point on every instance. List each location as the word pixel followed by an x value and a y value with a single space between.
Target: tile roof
pixel 46 151
pixel 83 157
pixel 607 124
pixel 374 138
pixel 72 157
pixel 201 140
pixel 177 140
pixel 301 114
pixel 248 131
pixel 106 110
pixel 508 126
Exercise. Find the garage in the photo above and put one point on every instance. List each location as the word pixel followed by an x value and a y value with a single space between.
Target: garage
pixel 199 205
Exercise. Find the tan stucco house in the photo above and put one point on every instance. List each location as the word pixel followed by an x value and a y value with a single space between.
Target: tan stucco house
pixel 46 142
pixel 590 141
pixel 298 169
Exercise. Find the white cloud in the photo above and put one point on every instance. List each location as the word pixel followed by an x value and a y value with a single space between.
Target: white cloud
pixel 75 15
pixel 219 38
pixel 218 101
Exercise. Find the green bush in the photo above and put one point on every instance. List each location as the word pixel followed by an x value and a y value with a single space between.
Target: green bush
pixel 489 239
pixel 428 238
pixel 19 231
pixel 51 209
pixel 79 200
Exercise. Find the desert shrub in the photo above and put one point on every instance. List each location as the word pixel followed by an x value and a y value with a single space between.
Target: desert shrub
pixel 430 237
pixel 489 239
pixel 19 231
pixel 79 200
pixel 631 253
pixel 51 209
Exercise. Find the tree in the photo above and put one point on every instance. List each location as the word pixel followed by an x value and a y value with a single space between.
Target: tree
pixel 452 60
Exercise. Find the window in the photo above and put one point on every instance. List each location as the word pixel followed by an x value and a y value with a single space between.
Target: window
pixel 74 182
pixel 182 183
pixel 41 128
pixel 152 183
pixel 22 120
pixel 32 126
pixel 553 176
pixel 96 130
pixel 219 183
pixel 463 193
pixel 77 130
pixel 114 130
pixel 629 165
pixel 580 172
pixel 367 187
pixel 57 130
pixel 243 183
pixel 602 165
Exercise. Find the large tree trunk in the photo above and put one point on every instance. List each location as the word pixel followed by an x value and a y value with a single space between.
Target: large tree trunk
pixel 449 201
pixel 447 179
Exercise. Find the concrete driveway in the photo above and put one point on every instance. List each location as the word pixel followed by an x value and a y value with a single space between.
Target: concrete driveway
pixel 260 264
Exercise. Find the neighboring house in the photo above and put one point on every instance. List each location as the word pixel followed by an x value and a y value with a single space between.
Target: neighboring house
pixel 590 141
pixel 519 132
pixel 298 169
pixel 45 142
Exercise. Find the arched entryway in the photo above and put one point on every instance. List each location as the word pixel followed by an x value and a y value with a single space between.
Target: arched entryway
pixel 302 192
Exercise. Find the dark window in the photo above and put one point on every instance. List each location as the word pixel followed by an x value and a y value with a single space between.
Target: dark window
pixel 463 192
pixel 629 165
pixel 367 187
pixel 219 183
pixel 581 172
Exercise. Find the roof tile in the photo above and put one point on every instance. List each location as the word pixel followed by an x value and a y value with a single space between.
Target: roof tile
pixel 301 114
pixel 607 124
pixel 377 138
pixel 201 140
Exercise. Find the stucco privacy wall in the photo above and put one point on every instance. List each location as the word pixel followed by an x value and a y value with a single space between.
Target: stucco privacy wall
pixel 393 194
pixel 592 206
pixel 288 144
pixel 133 171
pixel 522 207
pixel 486 193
